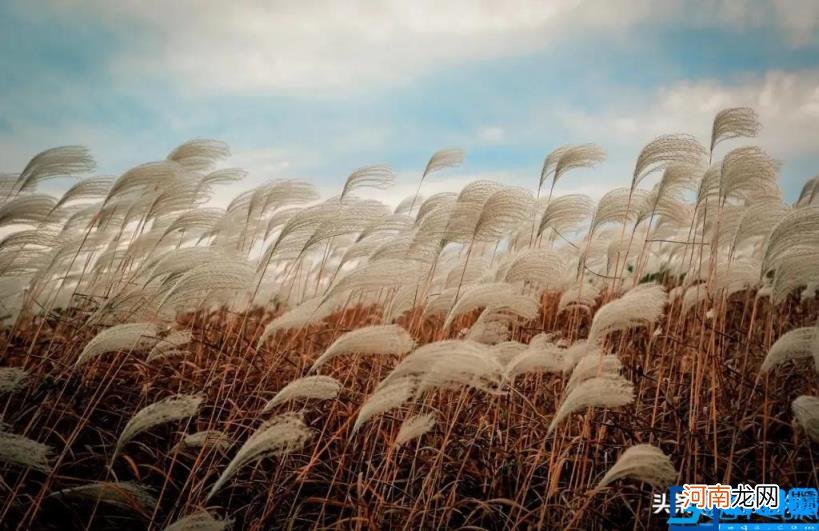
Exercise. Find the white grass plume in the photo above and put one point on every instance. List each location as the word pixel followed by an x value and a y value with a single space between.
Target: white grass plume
pixel 642 462
pixel 380 177
pixel 381 274
pixel 480 295
pixel 12 379
pixel 664 151
pixel 592 365
pixel 608 392
pixel 54 162
pixel 198 521
pixel 806 411
pixel 206 438
pixel 640 306
pixel 199 154
pixel 386 397
pixel 444 158
pixel 120 337
pixel 308 387
pixel 796 344
pixel 124 494
pixel 169 345
pixel 279 436
pixel 735 122
pixel 800 226
pixel 376 339
pixel 565 213
pixel 23 452
pixel 540 356
pixel 29 209
pixel 414 427
pixel 86 189
pixel 578 156
pixel 169 409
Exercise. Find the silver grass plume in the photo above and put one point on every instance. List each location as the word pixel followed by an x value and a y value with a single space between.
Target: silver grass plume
pixel 27 209
pixel 503 210
pixel 795 269
pixel 169 409
pixel 92 187
pixel 796 344
pixel 388 396
pixel 539 356
pixel 407 203
pixel 735 122
pixel 414 427
pixel 310 311
pixel 746 171
pixel 375 339
pixel 198 521
pixel 664 151
pixel 810 191
pixel 151 175
pixel 480 295
pixel 381 274
pixel 800 226
pixel 120 337
pixel 579 156
pixel 444 158
pixel 199 154
pixel 23 452
pixel 205 438
pixel 604 391
pixel 123 494
pixel 169 344
pixel 566 213
pixel 593 365
pixel 640 306
pixel 308 387
pixel 433 203
pixel 642 462
pixel 12 379
pixel 806 411
pixel 549 164
pixel 54 162
pixel 380 177
pixel 281 435
pixel 544 267
pixel 618 205
pixel 192 288
pixel 578 296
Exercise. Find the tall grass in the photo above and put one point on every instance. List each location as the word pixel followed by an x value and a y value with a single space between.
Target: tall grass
pixel 497 358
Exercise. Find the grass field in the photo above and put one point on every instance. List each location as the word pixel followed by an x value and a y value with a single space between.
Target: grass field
pixel 497 358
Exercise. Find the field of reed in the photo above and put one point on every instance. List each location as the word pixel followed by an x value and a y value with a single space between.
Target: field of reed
pixel 499 358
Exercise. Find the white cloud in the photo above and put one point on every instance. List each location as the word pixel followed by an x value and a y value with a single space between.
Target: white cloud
pixel 325 45
pixel 787 104
pixel 491 134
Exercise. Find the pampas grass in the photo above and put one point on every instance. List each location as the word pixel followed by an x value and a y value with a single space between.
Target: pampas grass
pixel 602 391
pixel 279 436
pixel 376 339
pixel 21 451
pixel 501 327
pixel 642 462
pixel 309 387
pixel 166 410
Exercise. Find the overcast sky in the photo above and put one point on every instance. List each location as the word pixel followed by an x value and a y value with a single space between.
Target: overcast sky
pixel 315 89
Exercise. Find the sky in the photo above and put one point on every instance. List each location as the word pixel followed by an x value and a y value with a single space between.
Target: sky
pixel 316 89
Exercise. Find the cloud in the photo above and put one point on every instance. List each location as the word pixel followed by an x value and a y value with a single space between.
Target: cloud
pixel 330 46
pixel 491 134
pixel 787 104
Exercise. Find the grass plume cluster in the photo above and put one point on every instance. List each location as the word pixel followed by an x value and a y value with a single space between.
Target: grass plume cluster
pixel 497 358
